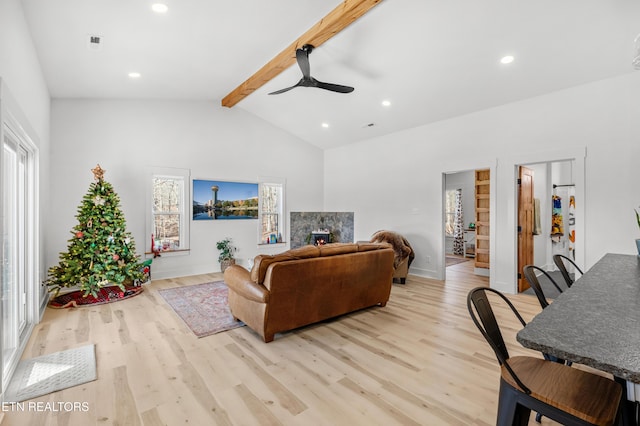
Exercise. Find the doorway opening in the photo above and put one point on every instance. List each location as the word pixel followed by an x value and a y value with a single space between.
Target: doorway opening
pixel 467 221
pixel 546 216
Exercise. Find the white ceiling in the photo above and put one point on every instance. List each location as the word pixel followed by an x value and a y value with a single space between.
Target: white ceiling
pixel 432 59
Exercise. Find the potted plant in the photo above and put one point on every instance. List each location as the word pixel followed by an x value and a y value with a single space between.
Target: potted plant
pixel 226 253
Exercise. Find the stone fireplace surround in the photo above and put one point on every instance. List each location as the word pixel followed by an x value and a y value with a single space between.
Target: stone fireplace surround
pixel 340 224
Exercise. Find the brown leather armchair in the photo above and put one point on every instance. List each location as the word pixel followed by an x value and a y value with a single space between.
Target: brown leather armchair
pixel 403 251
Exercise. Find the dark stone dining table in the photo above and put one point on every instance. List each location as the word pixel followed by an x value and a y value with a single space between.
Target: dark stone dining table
pixel 596 322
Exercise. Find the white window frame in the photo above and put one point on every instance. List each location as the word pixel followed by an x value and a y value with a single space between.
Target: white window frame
pixel 449 214
pixel 280 210
pixel 184 175
pixel 15 129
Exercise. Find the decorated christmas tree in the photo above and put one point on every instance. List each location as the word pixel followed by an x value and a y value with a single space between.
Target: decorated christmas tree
pixel 101 252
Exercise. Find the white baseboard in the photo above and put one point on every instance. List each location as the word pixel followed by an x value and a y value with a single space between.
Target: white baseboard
pixel 424 273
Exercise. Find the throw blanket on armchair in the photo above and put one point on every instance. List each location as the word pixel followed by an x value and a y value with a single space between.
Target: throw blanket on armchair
pixel 400 245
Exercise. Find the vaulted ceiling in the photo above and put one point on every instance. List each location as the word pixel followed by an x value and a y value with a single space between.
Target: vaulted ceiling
pixel 431 60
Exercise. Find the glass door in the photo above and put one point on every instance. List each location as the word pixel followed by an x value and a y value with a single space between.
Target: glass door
pixel 16 238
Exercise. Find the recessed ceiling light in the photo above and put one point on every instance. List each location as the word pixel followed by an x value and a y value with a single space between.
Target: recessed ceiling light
pixel 386 103
pixel 134 75
pixel 325 125
pixel 159 7
pixel 507 59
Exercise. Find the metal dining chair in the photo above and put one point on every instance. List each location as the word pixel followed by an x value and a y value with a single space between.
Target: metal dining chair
pixel 567 395
pixel 560 260
pixel 530 275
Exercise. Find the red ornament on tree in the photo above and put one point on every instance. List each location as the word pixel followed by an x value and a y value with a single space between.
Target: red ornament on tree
pixel 116 257
pixel 79 234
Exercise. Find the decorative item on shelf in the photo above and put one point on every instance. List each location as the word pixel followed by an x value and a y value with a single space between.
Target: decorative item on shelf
pixel 226 253
pixel 155 248
pixel 472 225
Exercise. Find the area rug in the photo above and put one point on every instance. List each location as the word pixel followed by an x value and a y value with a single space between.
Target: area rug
pixel 203 307
pixel 50 373
pixel 453 260
pixel 105 295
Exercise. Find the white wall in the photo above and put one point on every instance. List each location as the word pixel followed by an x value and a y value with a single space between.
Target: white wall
pixel 125 137
pixel 398 177
pixel 20 69
pixel 23 83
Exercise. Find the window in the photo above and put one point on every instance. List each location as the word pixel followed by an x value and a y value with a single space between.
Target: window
pixel 168 224
pixel 19 287
pixel 271 219
pixel 450 211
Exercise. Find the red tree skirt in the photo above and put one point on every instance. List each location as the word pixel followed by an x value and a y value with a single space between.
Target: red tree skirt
pixel 105 295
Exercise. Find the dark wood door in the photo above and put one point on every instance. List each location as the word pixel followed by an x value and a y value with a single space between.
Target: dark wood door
pixel 525 224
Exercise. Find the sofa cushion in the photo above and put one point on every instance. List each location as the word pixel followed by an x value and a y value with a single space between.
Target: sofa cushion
pixel 365 246
pixel 337 248
pixel 262 261
pixel 303 252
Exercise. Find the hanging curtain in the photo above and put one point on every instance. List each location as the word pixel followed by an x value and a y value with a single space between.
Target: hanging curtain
pixel 557 223
pixel 572 223
pixel 458 226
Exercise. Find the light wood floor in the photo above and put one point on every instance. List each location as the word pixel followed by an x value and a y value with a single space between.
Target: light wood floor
pixel 418 361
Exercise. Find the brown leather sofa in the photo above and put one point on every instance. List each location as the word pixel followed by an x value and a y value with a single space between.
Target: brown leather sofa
pixel 309 284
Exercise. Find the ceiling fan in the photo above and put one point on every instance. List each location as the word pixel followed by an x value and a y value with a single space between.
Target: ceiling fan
pixel 302 56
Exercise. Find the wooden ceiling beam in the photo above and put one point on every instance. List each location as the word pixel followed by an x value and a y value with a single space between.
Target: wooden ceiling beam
pixel 338 19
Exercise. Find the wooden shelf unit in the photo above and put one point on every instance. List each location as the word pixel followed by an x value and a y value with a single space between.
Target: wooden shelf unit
pixel 482 212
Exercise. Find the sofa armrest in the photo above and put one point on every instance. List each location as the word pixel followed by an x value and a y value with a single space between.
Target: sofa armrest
pixel 402 269
pixel 238 279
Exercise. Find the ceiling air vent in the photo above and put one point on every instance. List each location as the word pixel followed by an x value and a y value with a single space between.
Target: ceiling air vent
pixel 94 42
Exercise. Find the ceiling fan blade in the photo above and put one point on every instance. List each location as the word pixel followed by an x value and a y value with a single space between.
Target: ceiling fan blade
pixel 302 56
pixel 334 87
pixel 277 92
pixel 286 89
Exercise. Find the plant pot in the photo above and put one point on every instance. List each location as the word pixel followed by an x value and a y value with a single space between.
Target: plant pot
pixel 638 245
pixel 226 263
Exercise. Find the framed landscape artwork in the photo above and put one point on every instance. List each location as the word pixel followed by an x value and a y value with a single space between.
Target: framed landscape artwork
pixel 218 200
